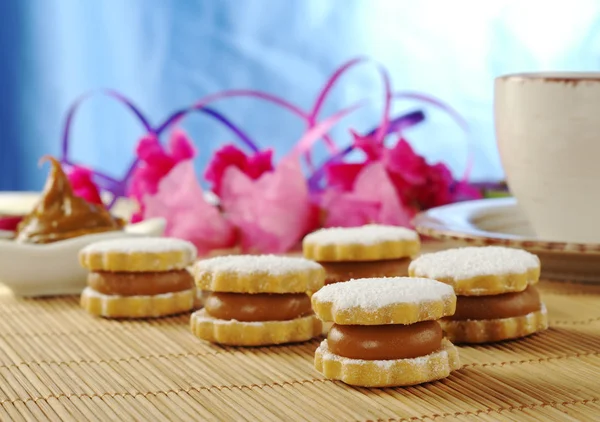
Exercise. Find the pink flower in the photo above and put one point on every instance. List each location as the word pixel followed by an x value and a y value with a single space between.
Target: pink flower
pixel 342 175
pixel 369 145
pixel 406 167
pixel 180 200
pixel 83 184
pixel 253 166
pixel 417 184
pixel 436 189
pixel 373 199
pixel 156 162
pixel 272 212
pixel 10 223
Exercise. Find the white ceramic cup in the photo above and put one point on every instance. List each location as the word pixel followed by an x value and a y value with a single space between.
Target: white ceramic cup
pixel 548 134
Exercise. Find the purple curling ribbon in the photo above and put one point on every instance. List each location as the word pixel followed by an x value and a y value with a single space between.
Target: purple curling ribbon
pixel 117 187
pixel 180 114
pixel 108 183
pixel 396 126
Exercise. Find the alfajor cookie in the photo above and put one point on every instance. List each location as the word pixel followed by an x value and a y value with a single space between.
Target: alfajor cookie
pixel 257 300
pixel 362 252
pixel 385 331
pixel 496 287
pixel 139 277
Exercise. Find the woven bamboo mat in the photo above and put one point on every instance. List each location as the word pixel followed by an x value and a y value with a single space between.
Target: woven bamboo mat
pixel 56 362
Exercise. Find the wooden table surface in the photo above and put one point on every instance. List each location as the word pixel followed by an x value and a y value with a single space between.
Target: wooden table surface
pixel 58 363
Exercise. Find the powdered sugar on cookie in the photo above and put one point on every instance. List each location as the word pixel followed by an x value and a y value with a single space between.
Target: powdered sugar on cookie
pixel 202 316
pixel 421 362
pixel 143 245
pixel 371 294
pixel 469 262
pixel 255 264
pixel 370 234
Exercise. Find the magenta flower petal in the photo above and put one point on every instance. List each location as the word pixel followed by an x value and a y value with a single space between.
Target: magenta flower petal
pixel 373 199
pixel 343 175
pixel 180 200
pixel 253 166
pixel 405 163
pixel 369 145
pixel 259 163
pixel 83 184
pixel 180 146
pixel 273 212
pixel 155 164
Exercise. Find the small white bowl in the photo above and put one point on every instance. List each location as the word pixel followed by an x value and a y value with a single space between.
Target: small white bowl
pixel 53 269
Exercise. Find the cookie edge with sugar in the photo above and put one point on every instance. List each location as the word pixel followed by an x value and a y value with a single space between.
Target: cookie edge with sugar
pixel 482 284
pixel 309 279
pixel 495 330
pixel 394 373
pixel 357 251
pixel 237 333
pixel 132 307
pixel 403 313
pixel 487 285
pixel 141 260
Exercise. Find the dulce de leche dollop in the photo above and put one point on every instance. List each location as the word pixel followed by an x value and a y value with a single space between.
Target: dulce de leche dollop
pixel 140 283
pixel 257 307
pixel 505 305
pixel 60 214
pixel 385 342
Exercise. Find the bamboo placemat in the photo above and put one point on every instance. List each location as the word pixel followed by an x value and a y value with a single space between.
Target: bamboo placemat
pixel 57 362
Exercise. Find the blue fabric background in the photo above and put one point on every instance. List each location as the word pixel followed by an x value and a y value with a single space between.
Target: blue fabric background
pixel 164 54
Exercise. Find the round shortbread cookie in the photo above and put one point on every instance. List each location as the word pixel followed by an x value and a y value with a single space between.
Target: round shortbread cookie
pixel 258 274
pixel 237 333
pixel 155 306
pixel 387 373
pixel 138 254
pixel 378 301
pixel 479 271
pixel 200 298
pixel 493 330
pixel 371 242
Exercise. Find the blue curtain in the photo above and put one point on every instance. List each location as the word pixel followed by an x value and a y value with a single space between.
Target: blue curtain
pixel 164 54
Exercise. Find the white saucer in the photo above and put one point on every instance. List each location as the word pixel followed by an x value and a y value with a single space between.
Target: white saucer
pixel 53 268
pixel 500 222
pixel 17 203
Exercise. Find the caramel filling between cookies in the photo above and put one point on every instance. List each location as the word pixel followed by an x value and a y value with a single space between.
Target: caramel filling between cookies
pixel 506 305
pixel 140 284
pixel 385 342
pixel 257 307
pixel 344 271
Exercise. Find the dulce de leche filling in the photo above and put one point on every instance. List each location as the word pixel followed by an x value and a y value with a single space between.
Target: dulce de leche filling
pixel 344 271
pixel 257 307
pixel 506 305
pixel 140 284
pixel 385 342
pixel 60 214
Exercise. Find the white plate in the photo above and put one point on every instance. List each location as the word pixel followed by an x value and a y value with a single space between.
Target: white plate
pixel 500 222
pixel 53 269
pixel 17 203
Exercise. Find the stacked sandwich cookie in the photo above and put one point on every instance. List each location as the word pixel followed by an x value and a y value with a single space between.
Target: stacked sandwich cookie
pixel 497 296
pixel 257 300
pixel 138 277
pixel 362 252
pixel 385 331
